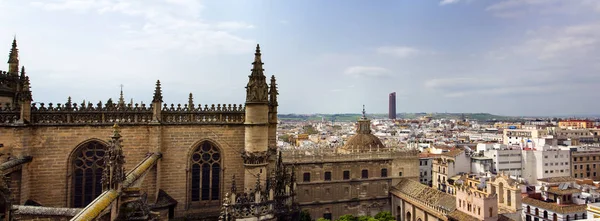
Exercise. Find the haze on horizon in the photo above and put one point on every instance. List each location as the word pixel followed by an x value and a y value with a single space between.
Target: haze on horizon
pixel 505 57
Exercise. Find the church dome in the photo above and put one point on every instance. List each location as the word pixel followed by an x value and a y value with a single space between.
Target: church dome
pixel 363 140
pixel 363 143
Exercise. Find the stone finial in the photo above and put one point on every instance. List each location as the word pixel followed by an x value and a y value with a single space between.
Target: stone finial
pixel 114 160
pixel 157 93
pixel 22 72
pixel 273 92
pixel 191 101
pixel 233 187
pixel 257 187
pixel 116 132
pixel 25 94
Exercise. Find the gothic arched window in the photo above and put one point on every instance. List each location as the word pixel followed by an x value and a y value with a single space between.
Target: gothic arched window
pixel 88 164
pixel 206 172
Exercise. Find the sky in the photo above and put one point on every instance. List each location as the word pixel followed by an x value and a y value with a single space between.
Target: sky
pixel 506 57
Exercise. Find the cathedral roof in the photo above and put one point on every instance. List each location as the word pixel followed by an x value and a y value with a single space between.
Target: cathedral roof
pixel 363 140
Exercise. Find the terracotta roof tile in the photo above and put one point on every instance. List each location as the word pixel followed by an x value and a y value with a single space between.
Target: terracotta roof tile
pixel 563 209
pixel 425 193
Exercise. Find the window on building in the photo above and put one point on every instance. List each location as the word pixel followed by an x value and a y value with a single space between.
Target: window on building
pixel 400 174
pixel 575 175
pixel 306 177
pixel 384 172
pixel 206 172
pixel 327 176
pixel 346 174
pixel 88 164
pixel 364 174
pixel 327 216
pixel 545 214
pixel 574 158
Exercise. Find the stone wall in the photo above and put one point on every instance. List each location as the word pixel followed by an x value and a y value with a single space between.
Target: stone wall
pixel 47 178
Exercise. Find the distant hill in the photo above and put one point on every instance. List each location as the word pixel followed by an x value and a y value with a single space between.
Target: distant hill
pixel 353 117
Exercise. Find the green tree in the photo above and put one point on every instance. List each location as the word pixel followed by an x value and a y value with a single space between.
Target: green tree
pixel 309 129
pixel 305 216
pixel 285 138
pixel 347 218
pixel 384 216
pixel 323 219
pixel 364 218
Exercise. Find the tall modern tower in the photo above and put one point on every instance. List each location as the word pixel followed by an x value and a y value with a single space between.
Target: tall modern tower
pixel 392 106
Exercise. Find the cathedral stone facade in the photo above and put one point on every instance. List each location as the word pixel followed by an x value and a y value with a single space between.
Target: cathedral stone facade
pixel 184 159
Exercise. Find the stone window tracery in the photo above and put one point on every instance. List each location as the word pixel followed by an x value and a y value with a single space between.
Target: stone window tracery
pixel 206 172
pixel 88 164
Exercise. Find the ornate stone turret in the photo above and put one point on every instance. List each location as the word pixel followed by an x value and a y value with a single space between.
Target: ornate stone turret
pixel 13 59
pixel 114 160
pixel 121 103
pixel 273 115
pixel 157 103
pixel 256 152
pixel 25 98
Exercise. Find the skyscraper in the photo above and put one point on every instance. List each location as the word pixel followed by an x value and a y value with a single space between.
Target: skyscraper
pixel 392 106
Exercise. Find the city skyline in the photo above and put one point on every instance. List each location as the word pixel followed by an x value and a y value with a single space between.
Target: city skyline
pixel 506 57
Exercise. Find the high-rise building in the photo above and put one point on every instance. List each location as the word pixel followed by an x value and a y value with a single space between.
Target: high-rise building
pixel 392 106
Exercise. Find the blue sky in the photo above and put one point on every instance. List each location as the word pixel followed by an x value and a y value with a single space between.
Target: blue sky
pixel 509 57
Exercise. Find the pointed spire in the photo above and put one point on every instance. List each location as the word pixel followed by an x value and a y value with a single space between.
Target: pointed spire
pixel 22 72
pixel 13 58
pixel 157 93
pixel 273 92
pixel 257 65
pixel 191 102
pixel 121 98
pixel 257 89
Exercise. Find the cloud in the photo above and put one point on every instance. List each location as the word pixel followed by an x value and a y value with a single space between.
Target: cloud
pixel 163 24
pixel 565 42
pixel 399 51
pixel 518 8
pixel 366 71
pixel 233 25
pixel 447 2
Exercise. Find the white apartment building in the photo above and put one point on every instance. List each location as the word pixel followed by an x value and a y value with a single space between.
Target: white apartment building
pixel 507 159
pixel 545 162
pixel 522 136
pixel 425 170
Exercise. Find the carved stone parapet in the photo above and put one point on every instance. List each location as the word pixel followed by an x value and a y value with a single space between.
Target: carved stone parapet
pixel 255 158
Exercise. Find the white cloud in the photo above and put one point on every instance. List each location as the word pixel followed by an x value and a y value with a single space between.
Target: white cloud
pixel 401 51
pixel 367 71
pixel 517 8
pixel 233 25
pixel 576 40
pixel 446 2
pixel 164 24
